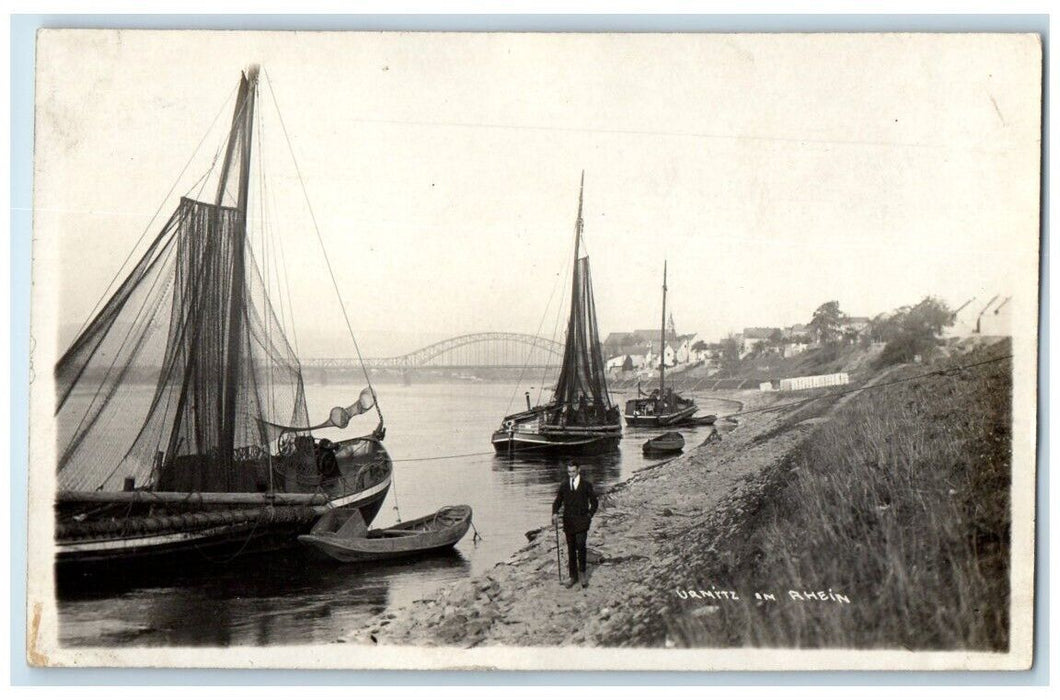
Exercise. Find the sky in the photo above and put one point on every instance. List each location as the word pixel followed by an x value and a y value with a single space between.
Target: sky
pixel 773 173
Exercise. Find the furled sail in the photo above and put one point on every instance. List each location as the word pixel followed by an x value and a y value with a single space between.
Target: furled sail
pixel 168 382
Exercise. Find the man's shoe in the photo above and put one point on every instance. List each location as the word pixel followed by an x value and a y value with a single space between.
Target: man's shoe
pixel 585 580
pixel 571 582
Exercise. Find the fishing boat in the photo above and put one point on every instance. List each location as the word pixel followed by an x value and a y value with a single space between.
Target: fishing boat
pixel 343 535
pixel 667 443
pixel 664 406
pixel 580 419
pixel 184 432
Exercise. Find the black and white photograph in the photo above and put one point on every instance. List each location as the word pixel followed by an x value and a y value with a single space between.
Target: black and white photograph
pixel 534 351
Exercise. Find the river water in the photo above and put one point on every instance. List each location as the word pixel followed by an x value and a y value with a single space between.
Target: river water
pixel 439 438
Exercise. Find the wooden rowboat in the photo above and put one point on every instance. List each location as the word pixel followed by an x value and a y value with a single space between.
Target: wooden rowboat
pixel 702 420
pixel 342 535
pixel 665 443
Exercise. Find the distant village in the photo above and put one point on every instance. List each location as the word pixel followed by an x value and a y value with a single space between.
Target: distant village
pixel 637 353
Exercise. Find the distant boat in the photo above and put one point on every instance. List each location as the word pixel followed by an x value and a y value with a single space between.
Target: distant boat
pixel 343 535
pixel 664 406
pixel 666 443
pixel 184 430
pixel 580 418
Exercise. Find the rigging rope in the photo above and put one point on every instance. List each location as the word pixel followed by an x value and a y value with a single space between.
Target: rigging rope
pixel 555 326
pixel 279 272
pixel 393 490
pixel 320 239
pixel 266 262
pixel 154 216
pixel 776 407
pixel 529 352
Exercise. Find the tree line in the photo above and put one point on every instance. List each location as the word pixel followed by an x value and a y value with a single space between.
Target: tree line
pixel 908 333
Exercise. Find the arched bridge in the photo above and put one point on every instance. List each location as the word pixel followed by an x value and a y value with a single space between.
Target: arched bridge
pixel 473 350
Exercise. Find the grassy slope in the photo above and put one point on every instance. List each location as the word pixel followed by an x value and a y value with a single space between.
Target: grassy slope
pixel 900 502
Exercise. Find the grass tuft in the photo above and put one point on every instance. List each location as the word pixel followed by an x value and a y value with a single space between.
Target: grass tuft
pixel 900 502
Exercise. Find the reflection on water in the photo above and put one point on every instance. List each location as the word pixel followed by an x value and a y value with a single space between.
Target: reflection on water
pixel 298 597
pixel 601 470
pixel 284 599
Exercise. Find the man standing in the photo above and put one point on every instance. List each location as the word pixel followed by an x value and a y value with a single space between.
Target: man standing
pixel 579 503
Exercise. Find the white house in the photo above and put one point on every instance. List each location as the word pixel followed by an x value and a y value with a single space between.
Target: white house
pixel 753 337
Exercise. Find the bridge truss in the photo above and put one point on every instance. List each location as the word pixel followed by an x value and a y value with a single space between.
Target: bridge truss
pixel 472 350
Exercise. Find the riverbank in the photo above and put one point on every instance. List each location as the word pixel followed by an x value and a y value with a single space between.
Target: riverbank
pixel 865 520
pixel 632 563
pixel 889 528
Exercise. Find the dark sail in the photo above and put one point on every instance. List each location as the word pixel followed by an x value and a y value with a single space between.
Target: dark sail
pixel 169 382
pixel 580 418
pixel 582 376
pixel 582 373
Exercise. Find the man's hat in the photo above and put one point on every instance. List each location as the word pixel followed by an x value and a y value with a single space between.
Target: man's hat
pixel 325 443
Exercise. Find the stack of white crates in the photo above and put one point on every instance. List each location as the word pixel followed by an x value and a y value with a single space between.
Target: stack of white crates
pixel 814 382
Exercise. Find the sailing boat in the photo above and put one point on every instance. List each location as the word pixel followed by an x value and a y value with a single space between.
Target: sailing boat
pixel 580 418
pixel 664 406
pixel 184 429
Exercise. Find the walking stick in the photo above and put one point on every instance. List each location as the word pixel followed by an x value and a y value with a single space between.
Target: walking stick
pixel 559 565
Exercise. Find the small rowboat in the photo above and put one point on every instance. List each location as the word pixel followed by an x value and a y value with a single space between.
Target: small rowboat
pixel 701 420
pixel 665 443
pixel 341 534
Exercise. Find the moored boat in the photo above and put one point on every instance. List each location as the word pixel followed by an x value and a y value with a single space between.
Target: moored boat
pixel 667 443
pixel 664 406
pixel 181 409
pixel 343 535
pixel 580 419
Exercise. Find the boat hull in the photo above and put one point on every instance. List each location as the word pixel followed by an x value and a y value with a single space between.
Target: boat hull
pixel 669 443
pixel 159 529
pixel 431 534
pixel 573 443
pixel 661 420
pixel 255 531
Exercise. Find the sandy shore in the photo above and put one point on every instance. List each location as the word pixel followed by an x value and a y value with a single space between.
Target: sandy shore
pixel 644 534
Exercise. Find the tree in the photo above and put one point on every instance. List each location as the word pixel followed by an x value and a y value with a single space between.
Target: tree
pixel 929 317
pixel 826 322
pixel 730 355
pixel 699 346
pixel 885 326
pixel 915 332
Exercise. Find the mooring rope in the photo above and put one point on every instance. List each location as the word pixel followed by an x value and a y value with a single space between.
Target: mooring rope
pixel 776 407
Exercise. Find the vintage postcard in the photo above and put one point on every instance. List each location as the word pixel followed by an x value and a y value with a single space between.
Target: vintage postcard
pixel 362 350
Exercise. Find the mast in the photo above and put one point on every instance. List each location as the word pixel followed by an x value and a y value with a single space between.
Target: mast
pixel 662 340
pixel 243 128
pixel 575 299
pixel 239 135
pixel 579 224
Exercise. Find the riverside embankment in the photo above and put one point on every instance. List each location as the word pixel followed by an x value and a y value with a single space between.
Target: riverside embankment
pixel 861 519
pixel 635 553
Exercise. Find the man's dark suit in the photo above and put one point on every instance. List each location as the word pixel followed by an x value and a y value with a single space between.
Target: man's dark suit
pixel 579 507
